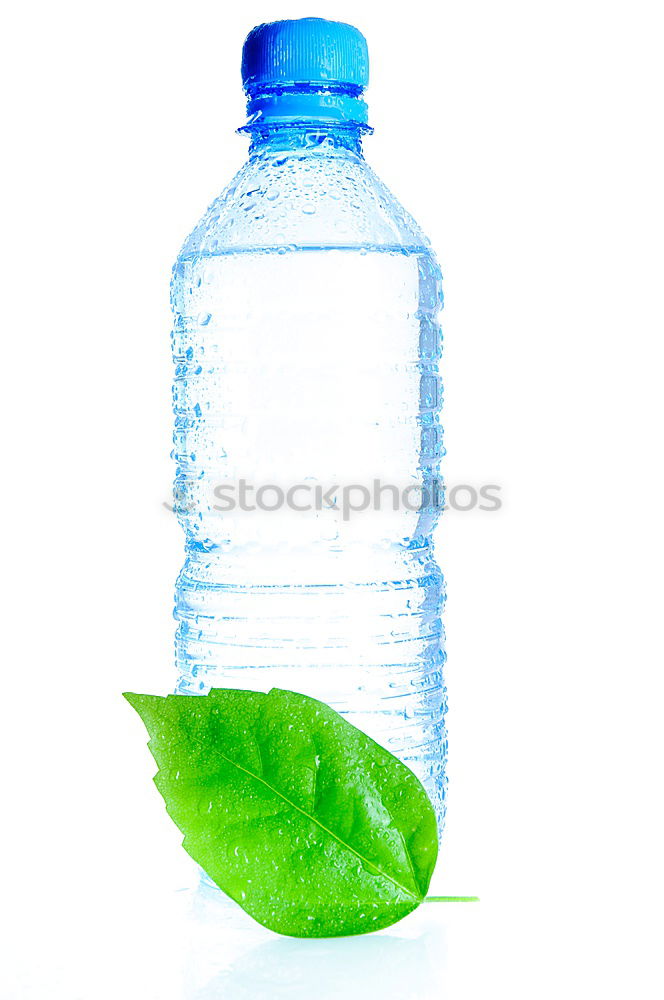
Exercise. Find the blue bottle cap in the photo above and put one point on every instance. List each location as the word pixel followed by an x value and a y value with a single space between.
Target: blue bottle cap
pixel 309 69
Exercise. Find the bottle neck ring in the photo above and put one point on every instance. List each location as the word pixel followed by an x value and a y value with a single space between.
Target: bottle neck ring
pixel 313 137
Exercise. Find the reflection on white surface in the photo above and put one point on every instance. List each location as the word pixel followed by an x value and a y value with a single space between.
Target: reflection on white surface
pixel 232 958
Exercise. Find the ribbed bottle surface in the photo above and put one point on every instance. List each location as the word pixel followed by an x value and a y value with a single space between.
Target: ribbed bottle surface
pixel 306 343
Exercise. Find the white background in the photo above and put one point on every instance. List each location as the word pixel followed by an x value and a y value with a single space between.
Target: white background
pixel 526 137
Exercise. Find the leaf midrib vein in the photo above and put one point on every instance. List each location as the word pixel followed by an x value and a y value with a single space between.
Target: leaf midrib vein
pixel 318 823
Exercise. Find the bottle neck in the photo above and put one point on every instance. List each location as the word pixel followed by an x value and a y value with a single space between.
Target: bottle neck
pixel 301 116
pixel 315 138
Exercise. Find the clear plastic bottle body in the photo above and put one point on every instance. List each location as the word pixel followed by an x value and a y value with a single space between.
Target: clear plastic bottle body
pixel 306 342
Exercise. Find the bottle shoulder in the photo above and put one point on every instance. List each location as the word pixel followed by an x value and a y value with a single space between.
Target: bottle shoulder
pixel 316 200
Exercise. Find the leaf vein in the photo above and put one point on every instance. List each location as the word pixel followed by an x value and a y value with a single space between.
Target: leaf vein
pixel 322 826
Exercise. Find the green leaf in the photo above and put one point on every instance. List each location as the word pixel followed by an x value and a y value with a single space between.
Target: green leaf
pixel 314 829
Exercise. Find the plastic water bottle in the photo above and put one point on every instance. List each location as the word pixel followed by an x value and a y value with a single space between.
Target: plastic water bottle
pixel 307 439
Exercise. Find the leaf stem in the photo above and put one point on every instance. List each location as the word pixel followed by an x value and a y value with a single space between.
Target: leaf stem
pixel 451 899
